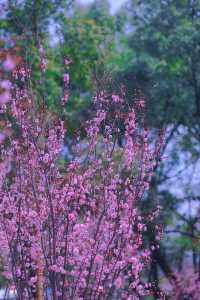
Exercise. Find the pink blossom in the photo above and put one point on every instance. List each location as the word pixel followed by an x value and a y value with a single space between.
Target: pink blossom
pixel 67 61
pixel 5 97
pixel 66 78
pixel 78 224
pixel 5 84
pixel 10 63
pixel 2 137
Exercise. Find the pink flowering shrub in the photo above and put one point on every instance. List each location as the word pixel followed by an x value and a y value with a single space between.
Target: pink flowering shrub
pixel 75 231
pixel 186 286
pixel 8 61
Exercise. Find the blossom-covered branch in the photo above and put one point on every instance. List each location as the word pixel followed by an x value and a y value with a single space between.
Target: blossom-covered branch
pixel 76 232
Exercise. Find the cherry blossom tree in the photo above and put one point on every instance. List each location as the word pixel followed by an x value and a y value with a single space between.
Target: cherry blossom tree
pixel 75 230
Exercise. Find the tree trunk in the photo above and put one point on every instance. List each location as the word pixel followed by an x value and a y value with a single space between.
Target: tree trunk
pixel 40 280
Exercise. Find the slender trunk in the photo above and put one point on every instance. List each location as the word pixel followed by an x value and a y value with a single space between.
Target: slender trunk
pixel 40 280
pixel 194 253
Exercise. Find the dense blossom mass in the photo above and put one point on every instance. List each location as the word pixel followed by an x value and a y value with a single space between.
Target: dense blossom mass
pixel 74 231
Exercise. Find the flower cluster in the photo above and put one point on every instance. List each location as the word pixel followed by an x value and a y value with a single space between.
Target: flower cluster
pixel 80 228
pixel 186 285
pixel 8 63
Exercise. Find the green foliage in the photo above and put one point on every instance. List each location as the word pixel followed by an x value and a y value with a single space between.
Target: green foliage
pixel 165 61
pixel 85 35
pixel 32 17
pixel 87 38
